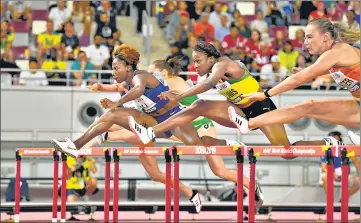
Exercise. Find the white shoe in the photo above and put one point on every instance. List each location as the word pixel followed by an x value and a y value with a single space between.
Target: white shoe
pixel 240 122
pixel 66 147
pixel 355 139
pixel 145 135
pixel 197 202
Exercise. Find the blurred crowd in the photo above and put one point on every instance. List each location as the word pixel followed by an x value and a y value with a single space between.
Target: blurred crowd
pixel 267 36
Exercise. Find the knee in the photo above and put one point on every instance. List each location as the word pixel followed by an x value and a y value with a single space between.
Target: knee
pixel 220 172
pixel 307 107
pixel 92 182
pixel 200 103
pixel 356 182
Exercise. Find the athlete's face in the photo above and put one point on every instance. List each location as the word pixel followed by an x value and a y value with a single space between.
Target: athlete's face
pixel 152 69
pixel 120 69
pixel 202 62
pixel 315 40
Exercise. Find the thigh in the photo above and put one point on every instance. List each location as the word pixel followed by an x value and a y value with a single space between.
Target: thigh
pixel 217 111
pixel 338 111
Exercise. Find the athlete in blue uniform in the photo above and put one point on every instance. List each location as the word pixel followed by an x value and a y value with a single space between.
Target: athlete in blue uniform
pixel 143 88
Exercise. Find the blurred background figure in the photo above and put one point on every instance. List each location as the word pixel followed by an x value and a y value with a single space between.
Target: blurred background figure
pixel 353 179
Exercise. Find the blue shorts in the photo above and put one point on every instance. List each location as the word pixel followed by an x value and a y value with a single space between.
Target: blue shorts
pixel 167 115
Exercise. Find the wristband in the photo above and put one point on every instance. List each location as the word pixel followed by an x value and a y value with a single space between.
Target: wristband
pixel 266 93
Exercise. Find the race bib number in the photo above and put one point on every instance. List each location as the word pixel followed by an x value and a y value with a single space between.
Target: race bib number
pixel 345 82
pixel 146 104
pixel 223 86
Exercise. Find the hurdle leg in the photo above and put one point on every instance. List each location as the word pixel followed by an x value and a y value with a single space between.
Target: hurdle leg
pixel 176 185
pixel 330 186
pixel 115 185
pixel 240 160
pixel 107 185
pixel 252 185
pixel 344 185
pixel 64 169
pixel 55 186
pixel 168 182
pixel 17 187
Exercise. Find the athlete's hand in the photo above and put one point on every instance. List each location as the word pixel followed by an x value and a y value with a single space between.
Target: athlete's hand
pixel 108 104
pixel 295 70
pixel 255 96
pixel 95 87
pixel 168 95
pixel 120 88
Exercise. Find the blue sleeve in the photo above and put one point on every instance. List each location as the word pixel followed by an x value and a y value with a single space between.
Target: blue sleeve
pixel 323 159
pixel 74 66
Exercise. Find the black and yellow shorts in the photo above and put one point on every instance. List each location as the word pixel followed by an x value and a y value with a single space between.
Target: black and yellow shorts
pixel 259 108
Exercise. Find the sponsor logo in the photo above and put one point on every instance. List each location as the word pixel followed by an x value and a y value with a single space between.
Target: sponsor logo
pixel 141 151
pixel 205 150
pixel 36 151
pixel 299 151
pixel 222 86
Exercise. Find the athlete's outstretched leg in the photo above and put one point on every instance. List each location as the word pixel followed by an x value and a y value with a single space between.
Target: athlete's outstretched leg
pixel 331 110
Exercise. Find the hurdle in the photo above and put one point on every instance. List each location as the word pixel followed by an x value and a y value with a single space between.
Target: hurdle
pixel 173 154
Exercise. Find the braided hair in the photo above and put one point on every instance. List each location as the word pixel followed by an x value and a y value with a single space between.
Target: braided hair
pixel 208 49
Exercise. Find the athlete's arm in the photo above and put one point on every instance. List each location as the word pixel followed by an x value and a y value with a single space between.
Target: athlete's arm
pixel 108 87
pixel 218 72
pixel 320 67
pixel 139 84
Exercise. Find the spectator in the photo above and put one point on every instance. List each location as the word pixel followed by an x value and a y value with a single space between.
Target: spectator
pixel 235 15
pixel 223 30
pixel 319 13
pixel 277 43
pixel 97 53
pixel 351 22
pixel 252 44
pixel 288 56
pixel 274 15
pixel 198 9
pixel 47 41
pixel 51 64
pixel 81 77
pixel 297 43
pixel 192 41
pixel 243 29
pixel 215 16
pixel 203 30
pixel 353 181
pixel 245 59
pixel 4 12
pixel 105 28
pixel 79 181
pixel 59 15
pixel 273 73
pixel 301 61
pixel 69 42
pixel 106 7
pixel 306 7
pixel 84 13
pixel 176 51
pixel 260 24
pixel 232 43
pixel 6 77
pixel 20 11
pixel 264 54
pixel 6 38
pixel 182 31
pixel 356 8
pixel 175 18
pixel 33 78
